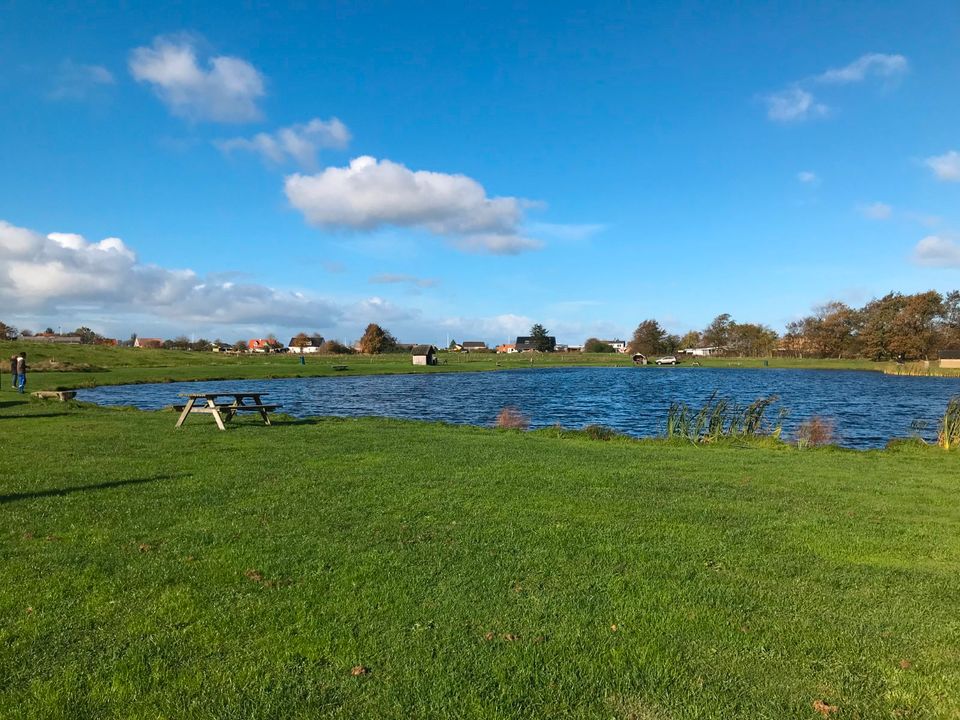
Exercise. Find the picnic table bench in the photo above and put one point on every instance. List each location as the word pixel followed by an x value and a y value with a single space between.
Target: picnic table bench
pixel 206 404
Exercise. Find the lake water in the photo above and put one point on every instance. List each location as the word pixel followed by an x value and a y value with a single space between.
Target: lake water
pixel 867 408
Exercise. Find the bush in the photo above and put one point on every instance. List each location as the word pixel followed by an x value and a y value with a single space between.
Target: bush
pixel 512 419
pixel 815 431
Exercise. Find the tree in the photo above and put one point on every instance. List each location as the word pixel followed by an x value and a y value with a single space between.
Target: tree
pixel 649 339
pixel 376 340
pixel 201 345
pixel 333 347
pixel 717 333
pixel 751 340
pixel 593 345
pixel 690 340
pixel 453 345
pixel 300 340
pixel 542 342
pixel 240 346
pixel 7 332
pixel 87 336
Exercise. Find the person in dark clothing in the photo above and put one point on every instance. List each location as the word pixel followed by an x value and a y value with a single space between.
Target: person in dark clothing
pixel 21 371
pixel 13 371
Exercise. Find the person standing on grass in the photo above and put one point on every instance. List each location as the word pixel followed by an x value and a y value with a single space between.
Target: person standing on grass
pixel 13 371
pixel 21 371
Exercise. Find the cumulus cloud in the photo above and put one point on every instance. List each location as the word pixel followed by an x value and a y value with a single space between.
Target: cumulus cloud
pixel 297 143
pixel 400 279
pixel 945 167
pixel 370 194
pixel 74 81
pixel 937 251
pixel 876 211
pixel 872 64
pixel 808 177
pixel 797 101
pixel 223 89
pixel 793 104
pixel 45 273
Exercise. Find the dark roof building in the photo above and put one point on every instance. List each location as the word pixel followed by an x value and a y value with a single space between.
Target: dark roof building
pixel 524 344
pixel 474 345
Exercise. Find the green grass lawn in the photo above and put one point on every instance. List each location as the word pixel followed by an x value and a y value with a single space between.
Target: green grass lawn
pixel 153 573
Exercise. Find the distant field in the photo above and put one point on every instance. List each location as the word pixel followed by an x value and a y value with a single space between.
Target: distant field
pixel 386 569
pixel 113 366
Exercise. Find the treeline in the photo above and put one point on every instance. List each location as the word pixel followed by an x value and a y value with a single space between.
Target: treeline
pixel 910 327
pixel 896 326
pixel 723 333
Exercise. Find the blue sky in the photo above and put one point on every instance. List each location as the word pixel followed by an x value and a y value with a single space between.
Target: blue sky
pixel 465 172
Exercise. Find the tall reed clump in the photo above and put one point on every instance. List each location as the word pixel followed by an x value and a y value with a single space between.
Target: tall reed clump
pixel 721 418
pixel 949 436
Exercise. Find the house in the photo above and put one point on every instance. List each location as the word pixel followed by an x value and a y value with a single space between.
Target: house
pixel 506 348
pixel 474 345
pixel 263 345
pixel 424 354
pixel 153 343
pixel 220 347
pixel 950 357
pixel 528 344
pixel 704 351
pixel 304 346
pixel 619 346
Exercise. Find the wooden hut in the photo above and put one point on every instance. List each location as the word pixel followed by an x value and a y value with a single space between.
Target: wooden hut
pixel 424 355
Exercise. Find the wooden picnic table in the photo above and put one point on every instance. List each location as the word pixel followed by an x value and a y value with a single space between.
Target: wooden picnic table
pixel 206 404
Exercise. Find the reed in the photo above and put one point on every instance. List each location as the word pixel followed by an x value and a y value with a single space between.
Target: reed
pixel 721 418
pixel 949 436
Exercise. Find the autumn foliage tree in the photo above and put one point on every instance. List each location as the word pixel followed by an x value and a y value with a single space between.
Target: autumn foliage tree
pixel 376 340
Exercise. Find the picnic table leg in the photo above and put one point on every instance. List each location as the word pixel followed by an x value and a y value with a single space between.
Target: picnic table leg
pixel 186 411
pixel 263 413
pixel 215 411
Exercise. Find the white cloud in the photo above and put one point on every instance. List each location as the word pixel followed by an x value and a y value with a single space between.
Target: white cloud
pixel 400 279
pixel 937 251
pixel 298 143
pixel 793 105
pixel 875 64
pixel 946 166
pixel 226 89
pixel 46 273
pixel 567 231
pixel 371 193
pixel 876 211
pixel 808 177
pixel 797 102
pixel 73 81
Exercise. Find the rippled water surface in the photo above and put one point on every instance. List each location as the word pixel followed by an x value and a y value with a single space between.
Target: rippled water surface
pixel 867 408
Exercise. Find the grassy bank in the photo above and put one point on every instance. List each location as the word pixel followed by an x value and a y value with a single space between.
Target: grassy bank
pixel 465 572
pixel 87 366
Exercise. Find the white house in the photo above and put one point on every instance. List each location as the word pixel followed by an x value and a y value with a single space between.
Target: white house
pixel 312 345
pixel 704 351
pixel 619 346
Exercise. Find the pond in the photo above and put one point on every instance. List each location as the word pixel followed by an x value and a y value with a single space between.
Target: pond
pixel 866 408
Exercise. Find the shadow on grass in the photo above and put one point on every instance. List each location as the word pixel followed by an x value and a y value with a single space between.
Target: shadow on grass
pixel 51 492
pixel 31 416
